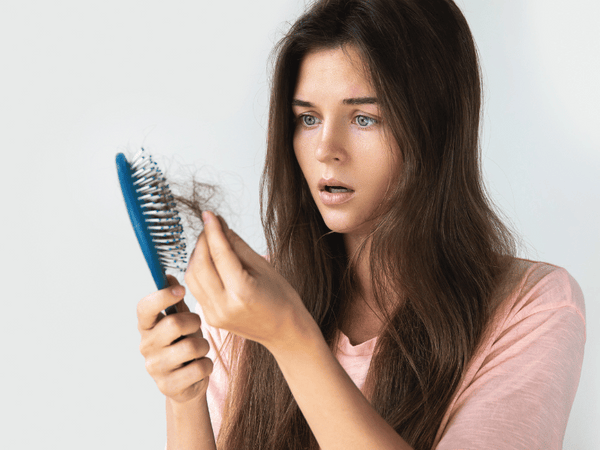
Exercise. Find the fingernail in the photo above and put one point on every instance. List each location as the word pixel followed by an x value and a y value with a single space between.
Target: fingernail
pixel 206 216
pixel 178 291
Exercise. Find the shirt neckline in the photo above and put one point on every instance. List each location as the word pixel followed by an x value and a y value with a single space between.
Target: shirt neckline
pixel 363 349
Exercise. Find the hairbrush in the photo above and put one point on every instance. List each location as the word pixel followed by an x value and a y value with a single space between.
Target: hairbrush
pixel 156 223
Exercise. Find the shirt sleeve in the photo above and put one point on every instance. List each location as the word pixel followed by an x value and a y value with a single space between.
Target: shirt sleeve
pixel 522 391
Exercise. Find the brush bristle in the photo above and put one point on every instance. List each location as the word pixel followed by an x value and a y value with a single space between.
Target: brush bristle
pixel 162 220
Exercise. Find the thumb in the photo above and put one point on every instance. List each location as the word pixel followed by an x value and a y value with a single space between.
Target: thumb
pixel 181 305
pixel 248 257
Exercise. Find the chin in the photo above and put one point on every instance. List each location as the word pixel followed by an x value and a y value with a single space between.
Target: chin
pixel 346 226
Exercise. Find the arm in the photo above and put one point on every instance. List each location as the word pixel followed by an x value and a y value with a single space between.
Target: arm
pixel 188 425
pixel 178 366
pixel 240 292
pixel 337 412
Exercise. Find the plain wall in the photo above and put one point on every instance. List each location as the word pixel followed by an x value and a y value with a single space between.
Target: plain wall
pixel 81 81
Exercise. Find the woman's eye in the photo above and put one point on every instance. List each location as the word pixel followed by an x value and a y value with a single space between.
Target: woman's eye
pixel 309 121
pixel 364 121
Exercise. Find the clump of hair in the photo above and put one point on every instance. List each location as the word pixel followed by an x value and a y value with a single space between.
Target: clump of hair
pixel 193 194
pixel 192 198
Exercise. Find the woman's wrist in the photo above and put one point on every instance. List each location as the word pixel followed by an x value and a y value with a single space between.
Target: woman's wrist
pixel 299 332
pixel 184 409
pixel 189 426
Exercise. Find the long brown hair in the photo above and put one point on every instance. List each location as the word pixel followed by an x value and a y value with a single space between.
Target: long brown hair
pixel 439 248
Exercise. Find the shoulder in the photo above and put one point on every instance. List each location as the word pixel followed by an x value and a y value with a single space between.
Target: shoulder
pixel 521 383
pixel 540 287
pixel 543 306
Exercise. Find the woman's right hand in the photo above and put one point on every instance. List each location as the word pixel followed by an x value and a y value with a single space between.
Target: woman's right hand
pixel 180 368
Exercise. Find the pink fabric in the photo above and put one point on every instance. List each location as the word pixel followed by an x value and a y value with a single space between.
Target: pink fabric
pixel 519 388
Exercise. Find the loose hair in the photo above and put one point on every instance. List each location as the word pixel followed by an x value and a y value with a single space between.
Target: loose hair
pixel 438 253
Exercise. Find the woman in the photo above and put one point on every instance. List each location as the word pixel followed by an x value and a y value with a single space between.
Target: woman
pixel 393 312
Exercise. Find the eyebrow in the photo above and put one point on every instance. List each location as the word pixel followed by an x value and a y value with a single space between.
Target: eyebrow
pixel 346 101
pixel 359 101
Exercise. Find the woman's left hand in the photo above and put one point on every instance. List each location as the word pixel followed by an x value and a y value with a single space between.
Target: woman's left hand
pixel 239 291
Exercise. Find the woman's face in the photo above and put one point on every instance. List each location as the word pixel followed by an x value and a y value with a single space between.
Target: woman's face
pixel 339 140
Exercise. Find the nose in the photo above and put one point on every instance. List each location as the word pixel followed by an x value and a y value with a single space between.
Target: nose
pixel 330 146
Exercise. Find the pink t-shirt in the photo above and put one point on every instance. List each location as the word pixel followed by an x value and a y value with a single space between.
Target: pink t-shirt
pixel 518 390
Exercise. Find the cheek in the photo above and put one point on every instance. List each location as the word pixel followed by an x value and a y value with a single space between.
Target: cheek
pixel 382 169
pixel 375 163
pixel 301 155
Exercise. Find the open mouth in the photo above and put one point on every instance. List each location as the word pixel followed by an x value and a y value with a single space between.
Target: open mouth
pixel 337 189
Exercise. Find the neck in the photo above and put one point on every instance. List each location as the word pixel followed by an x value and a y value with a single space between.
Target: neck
pixel 363 270
pixel 361 321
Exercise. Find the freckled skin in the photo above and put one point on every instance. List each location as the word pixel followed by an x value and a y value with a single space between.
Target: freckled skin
pixel 339 140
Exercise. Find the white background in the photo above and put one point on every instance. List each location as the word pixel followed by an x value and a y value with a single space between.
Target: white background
pixel 81 81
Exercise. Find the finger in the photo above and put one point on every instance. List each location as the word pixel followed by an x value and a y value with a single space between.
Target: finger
pixel 175 356
pixel 201 273
pixel 181 306
pixel 168 330
pixel 248 257
pixel 187 379
pixel 188 349
pixel 174 326
pixel 227 264
pixel 172 280
pixel 149 309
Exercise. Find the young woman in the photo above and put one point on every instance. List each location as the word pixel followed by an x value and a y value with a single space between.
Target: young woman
pixel 391 311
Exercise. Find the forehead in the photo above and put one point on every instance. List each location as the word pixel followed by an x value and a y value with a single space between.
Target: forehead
pixel 337 71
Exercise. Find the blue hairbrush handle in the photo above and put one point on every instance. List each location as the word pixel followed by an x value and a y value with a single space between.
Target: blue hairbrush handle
pixel 139 221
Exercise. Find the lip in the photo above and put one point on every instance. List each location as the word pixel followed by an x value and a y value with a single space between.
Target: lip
pixel 331 199
pixel 332 182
